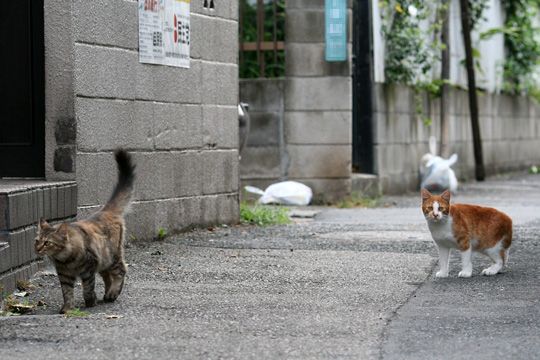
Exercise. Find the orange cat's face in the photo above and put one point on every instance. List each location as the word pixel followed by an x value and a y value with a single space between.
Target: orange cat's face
pixel 435 207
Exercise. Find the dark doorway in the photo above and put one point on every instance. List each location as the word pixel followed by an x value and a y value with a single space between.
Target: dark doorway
pixel 362 88
pixel 22 119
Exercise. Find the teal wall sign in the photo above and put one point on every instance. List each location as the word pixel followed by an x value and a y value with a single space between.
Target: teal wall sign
pixel 335 13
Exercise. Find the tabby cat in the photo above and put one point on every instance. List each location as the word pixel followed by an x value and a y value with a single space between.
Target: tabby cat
pixel 82 248
pixel 467 228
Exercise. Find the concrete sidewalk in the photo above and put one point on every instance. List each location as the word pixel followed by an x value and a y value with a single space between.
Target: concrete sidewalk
pixel 349 284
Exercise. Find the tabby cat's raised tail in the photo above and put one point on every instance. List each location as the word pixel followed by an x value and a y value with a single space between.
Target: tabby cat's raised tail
pixel 124 188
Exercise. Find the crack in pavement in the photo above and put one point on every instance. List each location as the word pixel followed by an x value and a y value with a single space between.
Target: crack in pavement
pixel 481 317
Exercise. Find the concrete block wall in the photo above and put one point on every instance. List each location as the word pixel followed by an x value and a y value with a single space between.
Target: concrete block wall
pixel 400 136
pixel 263 160
pixel 180 124
pixel 509 127
pixel 318 105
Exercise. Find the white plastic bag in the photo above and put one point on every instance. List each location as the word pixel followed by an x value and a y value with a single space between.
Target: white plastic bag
pixel 286 192
pixel 436 173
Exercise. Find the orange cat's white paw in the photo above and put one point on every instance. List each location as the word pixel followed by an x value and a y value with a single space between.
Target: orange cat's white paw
pixel 441 274
pixel 490 271
pixel 465 274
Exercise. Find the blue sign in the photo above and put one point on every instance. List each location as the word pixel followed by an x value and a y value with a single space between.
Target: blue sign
pixel 335 14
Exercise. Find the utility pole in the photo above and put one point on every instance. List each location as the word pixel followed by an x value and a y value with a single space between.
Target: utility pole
pixel 473 101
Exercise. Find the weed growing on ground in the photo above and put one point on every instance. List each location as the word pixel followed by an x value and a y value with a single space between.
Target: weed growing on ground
pixel 76 313
pixel 358 200
pixel 162 233
pixel 264 215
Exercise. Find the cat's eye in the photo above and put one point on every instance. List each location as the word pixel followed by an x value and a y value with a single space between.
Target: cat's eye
pixel 430 208
pixel 47 243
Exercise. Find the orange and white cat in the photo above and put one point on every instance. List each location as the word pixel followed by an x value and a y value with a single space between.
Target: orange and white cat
pixel 467 228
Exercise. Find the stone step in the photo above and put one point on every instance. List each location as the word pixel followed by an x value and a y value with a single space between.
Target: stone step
pixel 366 184
pixel 22 204
pixel 20 249
pixel 5 256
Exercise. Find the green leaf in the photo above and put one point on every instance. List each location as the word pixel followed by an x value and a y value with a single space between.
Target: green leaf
pixel 508 31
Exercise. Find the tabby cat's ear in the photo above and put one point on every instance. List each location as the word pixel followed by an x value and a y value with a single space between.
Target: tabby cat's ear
pixel 42 225
pixel 425 194
pixel 446 195
pixel 62 229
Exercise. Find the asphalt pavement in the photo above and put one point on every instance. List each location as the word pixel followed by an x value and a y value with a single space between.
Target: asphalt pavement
pixel 348 283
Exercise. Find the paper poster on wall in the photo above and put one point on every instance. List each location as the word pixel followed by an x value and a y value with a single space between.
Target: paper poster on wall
pixel 164 32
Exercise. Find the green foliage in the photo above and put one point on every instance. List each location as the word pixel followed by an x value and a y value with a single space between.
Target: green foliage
pixel 522 45
pixel 356 200
pixel 521 41
pixel 434 87
pixel 409 51
pixel 249 65
pixel 76 313
pixel 476 11
pixel 162 233
pixel 476 60
pixel 534 92
pixel 264 215
pixel 412 49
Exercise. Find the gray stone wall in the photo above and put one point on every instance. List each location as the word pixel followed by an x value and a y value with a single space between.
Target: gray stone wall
pixel 509 127
pixel 180 124
pixel 264 160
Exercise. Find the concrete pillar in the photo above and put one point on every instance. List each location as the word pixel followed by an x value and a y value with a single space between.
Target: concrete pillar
pixel 318 105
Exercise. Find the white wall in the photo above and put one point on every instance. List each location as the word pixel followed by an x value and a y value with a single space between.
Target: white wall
pixel 378 43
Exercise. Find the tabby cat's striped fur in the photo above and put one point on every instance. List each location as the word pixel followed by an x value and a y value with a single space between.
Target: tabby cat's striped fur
pixel 94 245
